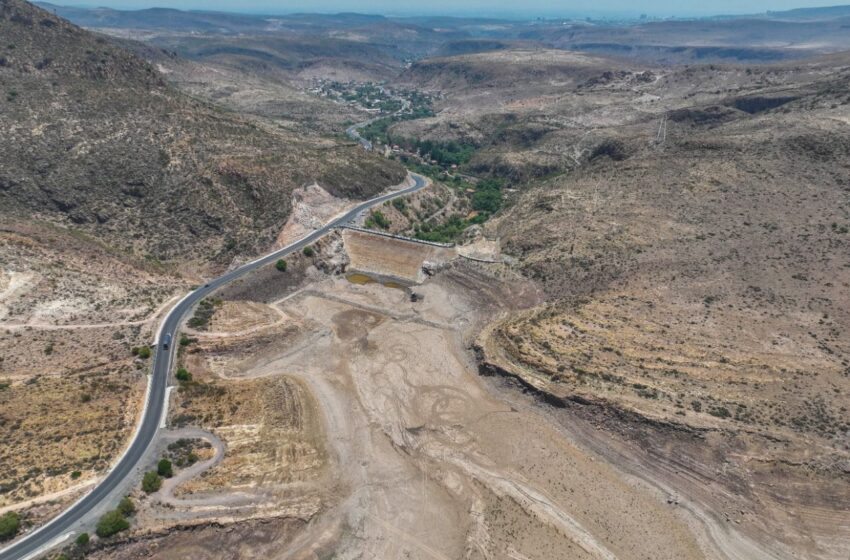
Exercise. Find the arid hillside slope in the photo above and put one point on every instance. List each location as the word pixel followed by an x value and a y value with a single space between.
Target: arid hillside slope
pixel 94 139
pixel 116 193
pixel 500 69
pixel 696 253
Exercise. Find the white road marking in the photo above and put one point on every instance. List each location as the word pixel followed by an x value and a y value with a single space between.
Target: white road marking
pixel 165 406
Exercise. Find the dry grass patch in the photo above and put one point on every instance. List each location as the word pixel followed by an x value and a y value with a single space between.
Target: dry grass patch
pixel 269 425
pixel 638 354
pixel 57 431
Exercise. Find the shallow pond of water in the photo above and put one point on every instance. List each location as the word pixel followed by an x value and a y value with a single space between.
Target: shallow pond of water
pixel 362 279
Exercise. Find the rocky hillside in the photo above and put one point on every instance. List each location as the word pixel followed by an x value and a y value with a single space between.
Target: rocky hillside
pixel 287 58
pixel 116 192
pixel 96 141
pixel 505 68
pixel 696 261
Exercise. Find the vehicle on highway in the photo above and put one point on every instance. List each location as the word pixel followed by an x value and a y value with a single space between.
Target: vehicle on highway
pixel 50 534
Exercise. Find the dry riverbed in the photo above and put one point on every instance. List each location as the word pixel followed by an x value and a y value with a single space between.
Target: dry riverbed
pixel 355 422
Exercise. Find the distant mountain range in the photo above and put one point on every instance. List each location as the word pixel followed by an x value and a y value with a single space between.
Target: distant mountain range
pixel 202 17
pixel 752 38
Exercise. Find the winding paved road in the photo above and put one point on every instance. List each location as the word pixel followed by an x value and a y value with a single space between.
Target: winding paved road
pixel 43 538
pixel 354 133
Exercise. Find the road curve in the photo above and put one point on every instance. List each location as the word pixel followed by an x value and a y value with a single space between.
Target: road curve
pixel 50 534
pixel 355 134
pixel 353 131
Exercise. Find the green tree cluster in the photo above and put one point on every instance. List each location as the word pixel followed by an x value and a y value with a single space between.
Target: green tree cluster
pixel 143 352
pixel 126 506
pixel 487 196
pixel 151 482
pixel 377 218
pixel 10 523
pixel 183 375
pixel 111 523
pixel 164 468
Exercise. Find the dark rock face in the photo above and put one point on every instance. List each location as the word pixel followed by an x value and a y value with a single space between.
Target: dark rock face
pixel 760 104
pixel 614 149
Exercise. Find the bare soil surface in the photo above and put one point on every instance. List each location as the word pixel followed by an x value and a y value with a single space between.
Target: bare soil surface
pixel 71 310
pixel 414 454
pixel 252 539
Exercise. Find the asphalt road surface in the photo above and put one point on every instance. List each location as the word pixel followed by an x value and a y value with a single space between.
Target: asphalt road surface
pixel 354 133
pixel 41 539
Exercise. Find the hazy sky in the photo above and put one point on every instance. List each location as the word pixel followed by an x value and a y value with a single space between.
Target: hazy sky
pixel 526 8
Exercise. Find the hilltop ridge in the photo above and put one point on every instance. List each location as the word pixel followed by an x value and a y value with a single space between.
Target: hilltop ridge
pixel 99 141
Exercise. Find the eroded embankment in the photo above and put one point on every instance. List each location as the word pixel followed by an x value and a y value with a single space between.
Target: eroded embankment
pixel 726 481
pixel 359 409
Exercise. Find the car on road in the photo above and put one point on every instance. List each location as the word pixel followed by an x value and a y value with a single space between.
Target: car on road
pixel 40 541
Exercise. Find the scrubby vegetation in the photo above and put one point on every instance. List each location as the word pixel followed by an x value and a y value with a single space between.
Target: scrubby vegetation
pixel 126 506
pixel 445 232
pixel 183 452
pixel 445 154
pixel 400 205
pixel 10 524
pixel 376 131
pixel 487 196
pixel 203 313
pixel 143 352
pixel 111 523
pixel 182 375
pixel 151 482
pixel 164 468
pixel 127 201
pixel 185 340
pixel 484 197
pixel 377 219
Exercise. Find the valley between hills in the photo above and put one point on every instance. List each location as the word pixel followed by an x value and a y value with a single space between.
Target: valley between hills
pixel 586 295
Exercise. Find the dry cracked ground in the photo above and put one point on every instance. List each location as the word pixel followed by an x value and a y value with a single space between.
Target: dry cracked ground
pixel 355 420
pixel 337 417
